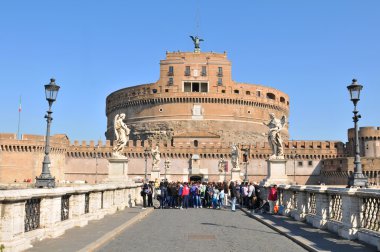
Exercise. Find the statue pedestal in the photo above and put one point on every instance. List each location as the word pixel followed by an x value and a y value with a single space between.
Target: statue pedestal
pixel 235 175
pixel 276 172
pixel 117 169
pixel 155 174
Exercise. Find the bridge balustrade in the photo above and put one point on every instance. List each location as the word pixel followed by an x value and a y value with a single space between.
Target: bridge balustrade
pixel 27 215
pixel 352 213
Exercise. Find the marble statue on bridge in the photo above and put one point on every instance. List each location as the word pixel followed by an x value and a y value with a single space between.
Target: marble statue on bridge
pixel 156 154
pixel 274 136
pixel 235 157
pixel 121 134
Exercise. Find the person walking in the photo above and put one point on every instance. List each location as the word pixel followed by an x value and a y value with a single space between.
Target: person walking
pixel 272 198
pixel 150 194
pixel 185 196
pixel 144 192
pixel 221 198
pixel 164 194
pixel 225 186
pixel 251 195
pixel 180 198
pixel 233 195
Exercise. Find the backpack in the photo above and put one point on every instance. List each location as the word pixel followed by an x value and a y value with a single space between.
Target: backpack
pixel 148 191
pixel 193 190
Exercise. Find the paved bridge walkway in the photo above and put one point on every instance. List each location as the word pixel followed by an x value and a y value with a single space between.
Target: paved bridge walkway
pixel 197 230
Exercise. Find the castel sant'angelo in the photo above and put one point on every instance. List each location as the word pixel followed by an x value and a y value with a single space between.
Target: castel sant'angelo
pixel 194 113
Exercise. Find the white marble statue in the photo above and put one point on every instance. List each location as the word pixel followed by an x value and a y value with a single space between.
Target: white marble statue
pixel 156 154
pixel 221 167
pixel 235 157
pixel 274 136
pixel 121 134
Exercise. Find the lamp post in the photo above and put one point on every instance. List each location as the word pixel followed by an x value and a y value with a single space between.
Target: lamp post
pixel 96 163
pixel 357 179
pixel 45 179
pixel 146 153
pixel 166 165
pixel 294 156
pixel 245 161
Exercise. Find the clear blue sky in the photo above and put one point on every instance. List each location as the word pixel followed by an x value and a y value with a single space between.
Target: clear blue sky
pixel 308 49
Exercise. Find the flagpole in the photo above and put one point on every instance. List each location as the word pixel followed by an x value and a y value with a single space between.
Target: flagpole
pixel 19 120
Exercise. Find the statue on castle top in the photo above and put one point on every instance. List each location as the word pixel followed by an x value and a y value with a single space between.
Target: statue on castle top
pixel 235 157
pixel 274 136
pixel 121 134
pixel 197 42
pixel 156 154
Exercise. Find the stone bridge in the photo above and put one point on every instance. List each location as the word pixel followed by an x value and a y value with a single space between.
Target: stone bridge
pixel 30 216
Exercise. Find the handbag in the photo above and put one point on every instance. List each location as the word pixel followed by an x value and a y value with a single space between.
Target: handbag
pixel 158 192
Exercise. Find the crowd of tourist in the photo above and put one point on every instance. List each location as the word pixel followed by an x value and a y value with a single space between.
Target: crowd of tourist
pixel 196 194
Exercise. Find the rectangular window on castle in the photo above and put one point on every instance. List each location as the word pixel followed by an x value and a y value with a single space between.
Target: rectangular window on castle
pixel 195 87
pixel 204 71
pixel 220 81
pixel 300 163
pixel 310 163
pixel 187 71
pixel 220 71
pixel 187 87
pixel 170 81
pixel 171 71
pixel 258 93
pixel 204 87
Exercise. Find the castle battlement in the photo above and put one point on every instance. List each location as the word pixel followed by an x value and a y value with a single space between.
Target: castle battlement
pixel 365 133
pixel 92 149
pixel 90 144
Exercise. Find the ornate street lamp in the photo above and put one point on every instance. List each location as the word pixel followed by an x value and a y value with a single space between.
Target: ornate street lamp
pixel 245 161
pixel 45 179
pixel 294 156
pixel 146 153
pixel 357 179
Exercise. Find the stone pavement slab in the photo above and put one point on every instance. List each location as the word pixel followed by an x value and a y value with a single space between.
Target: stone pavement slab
pixel 93 235
pixel 200 230
pixel 312 239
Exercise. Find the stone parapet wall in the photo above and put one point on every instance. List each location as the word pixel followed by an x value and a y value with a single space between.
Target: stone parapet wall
pixel 351 213
pixel 34 214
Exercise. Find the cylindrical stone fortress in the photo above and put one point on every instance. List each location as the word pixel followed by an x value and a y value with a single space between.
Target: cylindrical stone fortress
pixel 196 97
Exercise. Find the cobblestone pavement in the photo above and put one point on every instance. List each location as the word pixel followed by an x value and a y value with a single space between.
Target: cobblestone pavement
pixel 200 230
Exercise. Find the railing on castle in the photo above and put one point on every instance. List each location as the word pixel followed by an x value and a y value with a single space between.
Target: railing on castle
pixel 43 213
pixel 350 212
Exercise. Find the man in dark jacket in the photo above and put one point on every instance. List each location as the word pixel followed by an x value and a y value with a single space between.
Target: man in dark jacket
pixel 233 195
pixel 144 191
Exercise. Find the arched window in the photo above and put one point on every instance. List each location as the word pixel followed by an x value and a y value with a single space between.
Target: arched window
pixel 271 96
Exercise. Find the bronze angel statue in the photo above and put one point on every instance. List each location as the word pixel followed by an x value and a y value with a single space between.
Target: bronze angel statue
pixel 196 41
pixel 121 134
pixel 274 135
